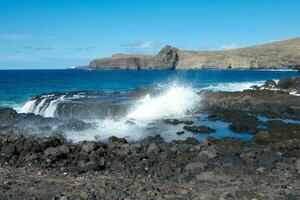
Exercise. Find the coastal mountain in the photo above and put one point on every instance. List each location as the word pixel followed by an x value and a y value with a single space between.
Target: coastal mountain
pixel 277 55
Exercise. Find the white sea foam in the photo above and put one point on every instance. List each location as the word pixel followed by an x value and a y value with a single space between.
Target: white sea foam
pixel 28 107
pixel 294 93
pixel 173 100
pixel 233 86
pixel 40 108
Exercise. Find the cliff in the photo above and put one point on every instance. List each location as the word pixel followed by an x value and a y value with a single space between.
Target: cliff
pixel 277 55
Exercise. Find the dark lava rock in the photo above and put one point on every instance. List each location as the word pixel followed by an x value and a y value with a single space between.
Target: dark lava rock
pixel 199 129
pixel 75 124
pixel 88 146
pixel 287 83
pixel 177 121
pixel 153 149
pixel 57 152
pixel 189 141
pixel 180 132
pixel 270 84
pixel 115 142
pixel 268 159
pixel 7 115
pixel 8 150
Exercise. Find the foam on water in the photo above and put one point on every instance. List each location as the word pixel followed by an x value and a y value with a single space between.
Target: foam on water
pixel 43 108
pixel 233 86
pixel 173 100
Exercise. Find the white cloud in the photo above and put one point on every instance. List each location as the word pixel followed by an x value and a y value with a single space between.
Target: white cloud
pixel 85 48
pixel 229 47
pixel 14 37
pixel 140 46
pixel 44 48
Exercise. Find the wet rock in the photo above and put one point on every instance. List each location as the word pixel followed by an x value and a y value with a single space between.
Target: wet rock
pixel 179 132
pixel 188 141
pixel 8 150
pixel 53 141
pixel 199 129
pixel 57 152
pixel 270 84
pixel 115 142
pixel 172 121
pixel 286 83
pixel 75 125
pixel 7 115
pixel 177 121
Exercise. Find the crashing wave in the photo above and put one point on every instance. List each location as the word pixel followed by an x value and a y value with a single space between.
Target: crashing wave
pixel 172 100
pixel 44 105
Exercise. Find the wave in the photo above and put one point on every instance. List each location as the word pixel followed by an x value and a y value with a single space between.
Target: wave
pixel 233 86
pixel 172 100
pixel 45 105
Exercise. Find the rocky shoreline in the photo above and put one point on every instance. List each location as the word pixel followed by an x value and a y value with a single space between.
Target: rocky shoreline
pixel 266 167
pixel 276 55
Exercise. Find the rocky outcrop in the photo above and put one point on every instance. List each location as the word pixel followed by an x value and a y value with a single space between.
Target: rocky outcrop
pixel 277 55
pixel 167 58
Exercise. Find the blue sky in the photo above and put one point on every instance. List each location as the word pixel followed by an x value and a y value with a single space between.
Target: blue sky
pixel 61 33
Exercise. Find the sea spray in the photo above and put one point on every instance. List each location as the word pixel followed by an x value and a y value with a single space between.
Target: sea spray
pixel 175 100
pixel 172 100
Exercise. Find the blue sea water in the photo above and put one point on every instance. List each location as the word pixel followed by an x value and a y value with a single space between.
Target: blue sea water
pixel 17 86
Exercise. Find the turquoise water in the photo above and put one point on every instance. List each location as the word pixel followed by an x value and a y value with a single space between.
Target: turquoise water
pixel 17 86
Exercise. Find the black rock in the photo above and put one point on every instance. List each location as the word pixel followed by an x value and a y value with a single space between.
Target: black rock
pixel 180 132
pixel 8 150
pixel 57 152
pixel 199 129
pixel 176 122
pixel 115 142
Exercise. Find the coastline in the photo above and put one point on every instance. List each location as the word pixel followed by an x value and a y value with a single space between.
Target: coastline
pixel 268 166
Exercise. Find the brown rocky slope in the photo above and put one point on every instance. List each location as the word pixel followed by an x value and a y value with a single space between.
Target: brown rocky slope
pixel 277 55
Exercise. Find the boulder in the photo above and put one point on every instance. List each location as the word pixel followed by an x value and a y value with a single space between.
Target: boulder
pixel 287 83
pixel 8 150
pixel 115 142
pixel 88 146
pixel 57 152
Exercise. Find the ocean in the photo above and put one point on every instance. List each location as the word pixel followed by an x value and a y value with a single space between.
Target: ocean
pixel 129 104
pixel 18 86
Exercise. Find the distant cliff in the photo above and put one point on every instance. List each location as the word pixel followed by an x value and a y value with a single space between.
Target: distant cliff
pixel 277 55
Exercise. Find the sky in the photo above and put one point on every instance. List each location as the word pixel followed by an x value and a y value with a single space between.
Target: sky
pixel 44 34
